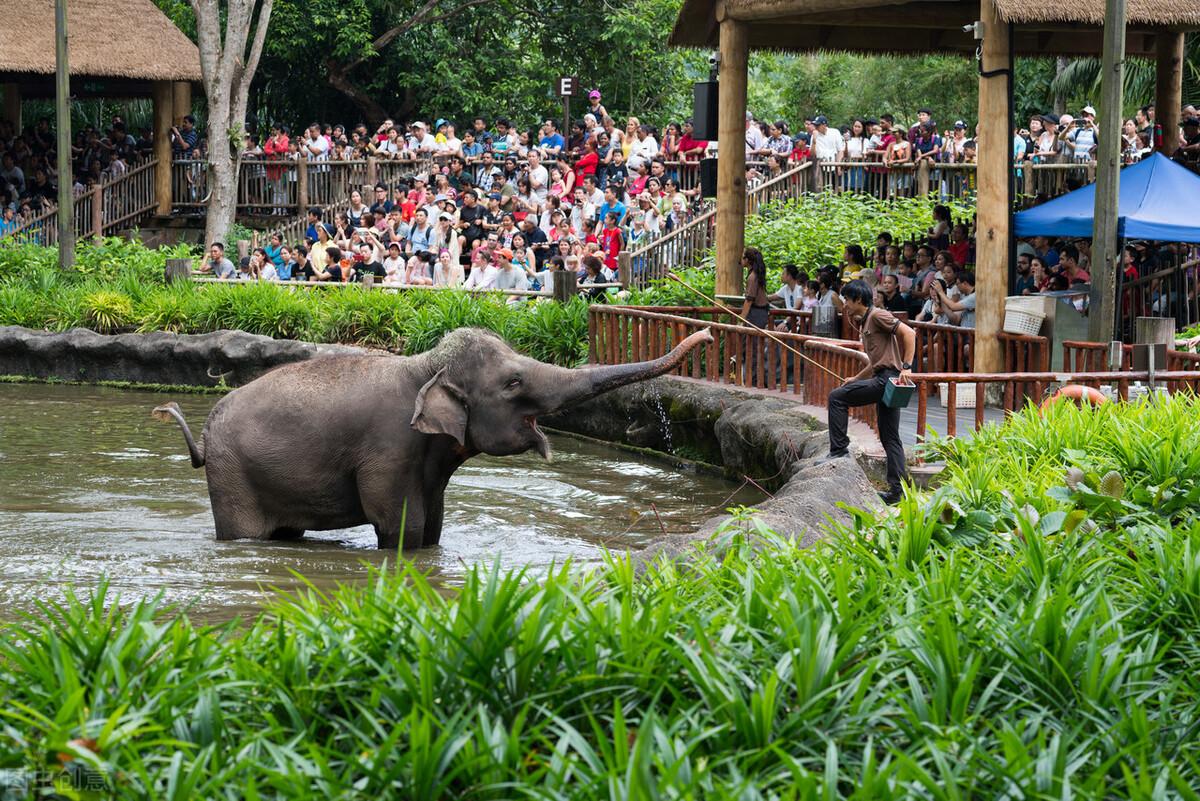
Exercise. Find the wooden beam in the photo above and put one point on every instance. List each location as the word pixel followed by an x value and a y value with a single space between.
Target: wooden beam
pixel 1102 306
pixel 757 10
pixel 164 107
pixel 993 213
pixel 1168 87
pixel 731 156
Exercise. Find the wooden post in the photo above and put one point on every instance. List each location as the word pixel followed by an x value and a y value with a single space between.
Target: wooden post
pixel 97 211
pixel 1168 87
pixel 12 105
pixel 181 100
pixel 164 100
pixel 923 178
pixel 302 186
pixel 62 113
pixel 993 213
pixel 624 267
pixel 566 285
pixel 1102 306
pixel 1154 330
pixel 372 172
pixel 731 155
pixel 178 270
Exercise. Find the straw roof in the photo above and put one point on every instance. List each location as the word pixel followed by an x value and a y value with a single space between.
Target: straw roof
pixel 897 26
pixel 1149 13
pixel 114 39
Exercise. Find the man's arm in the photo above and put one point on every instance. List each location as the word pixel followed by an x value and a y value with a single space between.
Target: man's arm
pixel 908 349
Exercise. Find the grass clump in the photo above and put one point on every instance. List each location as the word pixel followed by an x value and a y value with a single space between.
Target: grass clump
pixel 1040 659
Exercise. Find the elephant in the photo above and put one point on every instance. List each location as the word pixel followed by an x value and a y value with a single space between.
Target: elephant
pixel 345 440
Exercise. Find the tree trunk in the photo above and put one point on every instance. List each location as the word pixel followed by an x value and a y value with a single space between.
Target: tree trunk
pixel 222 201
pixel 1060 101
pixel 372 111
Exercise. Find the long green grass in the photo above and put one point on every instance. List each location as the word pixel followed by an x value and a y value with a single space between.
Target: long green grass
pixel 1048 652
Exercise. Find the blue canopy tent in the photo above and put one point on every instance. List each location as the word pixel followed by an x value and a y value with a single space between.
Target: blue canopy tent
pixel 1158 201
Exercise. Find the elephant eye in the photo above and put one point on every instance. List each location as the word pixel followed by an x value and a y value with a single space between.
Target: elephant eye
pixel 513 383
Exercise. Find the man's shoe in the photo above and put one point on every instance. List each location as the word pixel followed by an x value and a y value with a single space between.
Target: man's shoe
pixel 833 457
pixel 891 497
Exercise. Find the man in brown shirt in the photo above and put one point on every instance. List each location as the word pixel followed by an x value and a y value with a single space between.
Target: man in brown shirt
pixel 890 346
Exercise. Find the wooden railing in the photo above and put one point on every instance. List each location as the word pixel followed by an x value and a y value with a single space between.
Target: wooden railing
pixel 1174 381
pixel 686 245
pixel 749 357
pixel 107 208
pixel 1173 291
pixel 945 180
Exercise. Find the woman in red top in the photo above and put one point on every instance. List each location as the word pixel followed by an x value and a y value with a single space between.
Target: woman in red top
pixel 589 161
pixel 276 151
pixel 960 246
pixel 690 149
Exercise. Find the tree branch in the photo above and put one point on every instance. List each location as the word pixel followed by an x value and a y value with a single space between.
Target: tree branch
pixel 421 17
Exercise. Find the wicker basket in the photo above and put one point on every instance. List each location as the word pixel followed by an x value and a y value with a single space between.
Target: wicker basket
pixel 965 396
pixel 1023 321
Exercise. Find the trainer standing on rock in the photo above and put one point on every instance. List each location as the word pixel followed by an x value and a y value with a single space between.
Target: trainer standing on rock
pixel 890 346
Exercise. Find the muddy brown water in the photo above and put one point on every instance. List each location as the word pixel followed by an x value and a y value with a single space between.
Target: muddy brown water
pixel 92 488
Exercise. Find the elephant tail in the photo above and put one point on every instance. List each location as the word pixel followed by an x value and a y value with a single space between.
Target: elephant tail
pixel 170 411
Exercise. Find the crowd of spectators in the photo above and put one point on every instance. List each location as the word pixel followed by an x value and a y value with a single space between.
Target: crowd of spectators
pixel 29 170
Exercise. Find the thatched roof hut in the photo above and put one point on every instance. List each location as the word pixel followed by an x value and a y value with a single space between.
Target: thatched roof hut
pixel 122 39
pixel 928 26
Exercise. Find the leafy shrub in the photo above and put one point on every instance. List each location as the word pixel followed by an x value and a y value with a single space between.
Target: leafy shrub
pixel 812 231
pixel 173 308
pixel 20 305
pixel 552 332
pixel 107 311
pixel 364 317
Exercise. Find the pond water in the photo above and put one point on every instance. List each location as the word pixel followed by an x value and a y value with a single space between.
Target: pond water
pixel 92 487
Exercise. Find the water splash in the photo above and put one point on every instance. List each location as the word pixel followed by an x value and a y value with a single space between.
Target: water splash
pixel 656 402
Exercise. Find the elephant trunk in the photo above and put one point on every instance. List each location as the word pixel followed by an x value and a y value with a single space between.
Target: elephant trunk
pixel 586 383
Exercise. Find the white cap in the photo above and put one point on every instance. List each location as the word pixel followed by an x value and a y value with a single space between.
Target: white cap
pixel 1089 110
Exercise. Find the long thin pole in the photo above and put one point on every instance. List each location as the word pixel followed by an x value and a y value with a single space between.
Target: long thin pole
pixel 62 111
pixel 766 331
pixel 1102 307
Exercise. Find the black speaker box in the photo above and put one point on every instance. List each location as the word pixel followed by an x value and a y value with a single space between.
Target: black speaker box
pixel 704 109
pixel 708 177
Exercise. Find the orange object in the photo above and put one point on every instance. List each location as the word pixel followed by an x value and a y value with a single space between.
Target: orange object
pixel 1078 393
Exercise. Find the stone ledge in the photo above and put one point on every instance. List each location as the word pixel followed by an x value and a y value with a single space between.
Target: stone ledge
pixel 79 354
pixel 766 438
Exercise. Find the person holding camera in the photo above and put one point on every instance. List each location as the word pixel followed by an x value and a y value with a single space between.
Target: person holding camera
pixel 1081 139
pixel 890 346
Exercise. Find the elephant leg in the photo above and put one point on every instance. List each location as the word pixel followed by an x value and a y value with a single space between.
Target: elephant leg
pixel 435 508
pixel 388 509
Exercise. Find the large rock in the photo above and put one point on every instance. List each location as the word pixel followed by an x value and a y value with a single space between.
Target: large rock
pixel 751 436
pixel 234 357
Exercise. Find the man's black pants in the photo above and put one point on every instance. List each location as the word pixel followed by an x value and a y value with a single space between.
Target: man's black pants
pixel 861 393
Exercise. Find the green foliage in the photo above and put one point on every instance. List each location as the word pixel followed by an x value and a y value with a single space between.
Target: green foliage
pixel 119 288
pixel 665 292
pixel 499 58
pixel 813 230
pixel 958 652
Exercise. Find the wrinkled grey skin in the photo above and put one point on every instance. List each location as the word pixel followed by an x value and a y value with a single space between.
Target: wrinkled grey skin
pixel 345 440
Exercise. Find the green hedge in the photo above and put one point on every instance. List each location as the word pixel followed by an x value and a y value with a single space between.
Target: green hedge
pixel 118 286
pixel 1027 631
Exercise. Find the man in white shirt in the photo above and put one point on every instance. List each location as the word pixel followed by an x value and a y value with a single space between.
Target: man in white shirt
pixel 485 278
pixel 827 143
pixel 755 140
pixel 423 141
pixel 644 149
pixel 539 178
pixel 316 147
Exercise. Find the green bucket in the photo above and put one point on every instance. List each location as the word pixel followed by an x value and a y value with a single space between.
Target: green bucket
pixel 897 395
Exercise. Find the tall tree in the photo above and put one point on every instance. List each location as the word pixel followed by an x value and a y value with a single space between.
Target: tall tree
pixel 227 64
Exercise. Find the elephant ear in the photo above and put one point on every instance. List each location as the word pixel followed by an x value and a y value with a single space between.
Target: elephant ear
pixel 441 409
